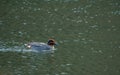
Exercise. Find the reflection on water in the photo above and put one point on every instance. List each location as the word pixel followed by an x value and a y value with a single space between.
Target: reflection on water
pixel 87 31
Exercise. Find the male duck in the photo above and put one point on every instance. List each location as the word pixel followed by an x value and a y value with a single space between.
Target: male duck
pixel 39 46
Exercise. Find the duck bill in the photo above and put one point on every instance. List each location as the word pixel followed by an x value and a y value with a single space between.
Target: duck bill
pixel 56 44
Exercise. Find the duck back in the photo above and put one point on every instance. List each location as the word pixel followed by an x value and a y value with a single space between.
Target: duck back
pixel 39 46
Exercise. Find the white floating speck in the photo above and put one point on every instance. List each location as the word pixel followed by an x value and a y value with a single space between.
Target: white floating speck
pixel 39 9
pixel 9 62
pixel 76 40
pixel 24 23
pixel 110 56
pixel 16 17
pixel 80 33
pixel 60 29
pixel 81 56
pixel 86 21
pixel 22 7
pixel 100 51
pixel 68 64
pixel 79 21
pixel 64 73
pixel 1 22
pixel 118 46
pixel 56 9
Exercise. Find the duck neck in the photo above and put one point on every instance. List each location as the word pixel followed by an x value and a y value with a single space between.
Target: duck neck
pixel 52 46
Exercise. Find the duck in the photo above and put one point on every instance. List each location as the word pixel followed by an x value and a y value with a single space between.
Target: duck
pixel 40 46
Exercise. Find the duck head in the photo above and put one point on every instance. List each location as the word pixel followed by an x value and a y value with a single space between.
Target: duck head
pixel 51 42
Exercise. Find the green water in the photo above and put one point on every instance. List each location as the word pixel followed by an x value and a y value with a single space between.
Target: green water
pixel 87 32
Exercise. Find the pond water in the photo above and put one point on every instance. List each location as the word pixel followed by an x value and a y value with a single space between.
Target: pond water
pixel 87 33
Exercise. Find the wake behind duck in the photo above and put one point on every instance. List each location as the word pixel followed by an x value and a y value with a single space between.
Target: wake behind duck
pixel 38 47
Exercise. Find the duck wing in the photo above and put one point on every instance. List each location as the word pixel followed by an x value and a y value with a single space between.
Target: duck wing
pixel 39 46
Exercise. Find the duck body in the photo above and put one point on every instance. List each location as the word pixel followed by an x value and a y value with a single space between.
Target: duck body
pixel 40 46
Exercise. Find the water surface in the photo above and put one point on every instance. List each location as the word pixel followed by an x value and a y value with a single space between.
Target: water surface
pixel 87 32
